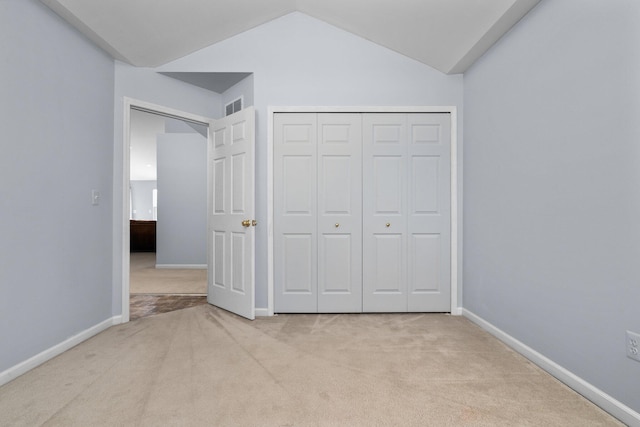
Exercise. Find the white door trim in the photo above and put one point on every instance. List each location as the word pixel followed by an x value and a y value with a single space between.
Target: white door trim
pixel 456 256
pixel 137 104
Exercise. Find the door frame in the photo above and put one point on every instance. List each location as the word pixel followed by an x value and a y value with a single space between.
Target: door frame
pixel 136 104
pixel 456 249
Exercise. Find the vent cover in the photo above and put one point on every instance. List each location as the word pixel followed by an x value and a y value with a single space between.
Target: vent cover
pixel 233 107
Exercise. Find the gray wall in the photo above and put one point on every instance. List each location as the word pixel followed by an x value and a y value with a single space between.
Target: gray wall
pixel 182 199
pixel 172 125
pixel 142 199
pixel 298 60
pixel 56 116
pixel 145 84
pixel 552 194
pixel 244 89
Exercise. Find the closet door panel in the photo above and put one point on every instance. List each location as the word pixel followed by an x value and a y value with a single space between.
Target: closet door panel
pixel 297 262
pixel 336 265
pixel 295 213
pixel 384 212
pixel 339 213
pixel 387 184
pixel 298 186
pixel 388 256
pixel 425 184
pixel 336 176
pixel 429 261
pixel 424 250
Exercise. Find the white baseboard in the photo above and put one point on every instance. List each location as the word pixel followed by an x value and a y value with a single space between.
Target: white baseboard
pixel 262 312
pixel 183 266
pixel 456 311
pixel 589 391
pixel 37 360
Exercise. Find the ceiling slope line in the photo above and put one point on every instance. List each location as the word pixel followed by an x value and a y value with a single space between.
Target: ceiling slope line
pixel 501 27
pixel 83 28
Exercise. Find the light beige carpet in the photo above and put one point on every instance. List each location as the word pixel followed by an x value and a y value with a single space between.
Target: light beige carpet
pixel 145 278
pixel 205 367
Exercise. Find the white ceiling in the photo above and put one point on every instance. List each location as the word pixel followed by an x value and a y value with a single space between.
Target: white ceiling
pixel 448 35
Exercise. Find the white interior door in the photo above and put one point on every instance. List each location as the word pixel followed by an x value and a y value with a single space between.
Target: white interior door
pixel 231 225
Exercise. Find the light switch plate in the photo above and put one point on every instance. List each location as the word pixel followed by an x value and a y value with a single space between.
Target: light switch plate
pixel 95 197
pixel 633 345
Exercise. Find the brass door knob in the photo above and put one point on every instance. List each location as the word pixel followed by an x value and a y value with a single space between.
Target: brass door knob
pixel 388 224
pixel 246 223
pixel 337 225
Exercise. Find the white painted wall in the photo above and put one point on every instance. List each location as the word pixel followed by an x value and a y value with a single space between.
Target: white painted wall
pixel 180 126
pixel 181 229
pixel 56 113
pixel 552 194
pixel 244 89
pixel 146 85
pixel 142 199
pixel 298 60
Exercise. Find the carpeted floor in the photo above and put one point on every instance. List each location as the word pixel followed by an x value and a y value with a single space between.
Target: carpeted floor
pixel 205 367
pixel 146 279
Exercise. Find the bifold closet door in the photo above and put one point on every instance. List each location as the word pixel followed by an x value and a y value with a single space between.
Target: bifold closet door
pixel 295 213
pixel 339 213
pixel 406 212
pixel 385 212
pixel 317 212
pixel 362 212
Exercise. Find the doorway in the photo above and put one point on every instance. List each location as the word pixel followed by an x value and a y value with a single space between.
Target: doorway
pixel 168 214
pixel 170 267
pixel 230 183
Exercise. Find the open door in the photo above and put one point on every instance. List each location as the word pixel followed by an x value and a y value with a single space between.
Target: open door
pixel 231 225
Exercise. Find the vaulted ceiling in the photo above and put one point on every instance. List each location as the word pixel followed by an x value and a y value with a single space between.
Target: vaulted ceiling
pixel 448 35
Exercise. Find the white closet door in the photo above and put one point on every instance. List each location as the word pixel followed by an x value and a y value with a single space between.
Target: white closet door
pixel 406 218
pixel 295 213
pixel 362 212
pixel 385 205
pixel 429 212
pixel 339 213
